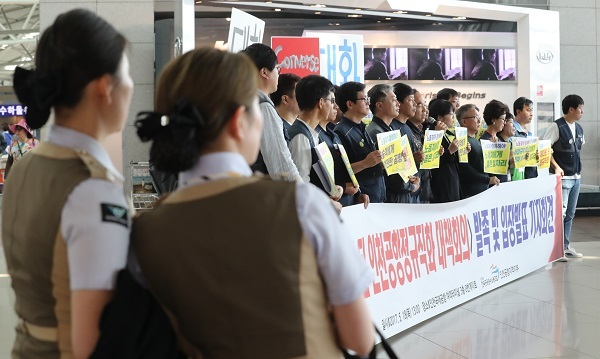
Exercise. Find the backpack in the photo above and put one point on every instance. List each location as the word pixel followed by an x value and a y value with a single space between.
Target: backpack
pixel 133 325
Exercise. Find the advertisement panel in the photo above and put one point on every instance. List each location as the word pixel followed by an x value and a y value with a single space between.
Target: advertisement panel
pixel 297 55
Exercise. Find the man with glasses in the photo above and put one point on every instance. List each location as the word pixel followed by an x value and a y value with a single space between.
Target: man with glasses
pixel 274 157
pixel 472 178
pixel 364 157
pixel 385 109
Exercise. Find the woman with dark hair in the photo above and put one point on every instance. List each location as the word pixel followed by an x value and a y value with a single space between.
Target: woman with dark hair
pixel 65 223
pixel 494 115
pixel 445 183
pixel 228 247
pixel 22 144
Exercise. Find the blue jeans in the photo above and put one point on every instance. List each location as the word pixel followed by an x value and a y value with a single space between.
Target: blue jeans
pixel 570 194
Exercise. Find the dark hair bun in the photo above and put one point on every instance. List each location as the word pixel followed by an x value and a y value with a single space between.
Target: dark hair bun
pixel 38 92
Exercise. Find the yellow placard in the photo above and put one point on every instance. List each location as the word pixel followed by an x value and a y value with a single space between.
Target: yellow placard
pixel 495 157
pixel 524 151
pixel 391 151
pixel 410 168
pixel 348 166
pixel 431 149
pixel 545 152
pixel 461 136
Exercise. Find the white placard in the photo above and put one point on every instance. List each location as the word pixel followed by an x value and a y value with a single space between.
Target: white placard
pixel 244 30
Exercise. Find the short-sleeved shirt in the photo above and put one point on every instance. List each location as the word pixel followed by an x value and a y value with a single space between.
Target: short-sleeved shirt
pixel 18 149
pixel 97 244
pixel 344 270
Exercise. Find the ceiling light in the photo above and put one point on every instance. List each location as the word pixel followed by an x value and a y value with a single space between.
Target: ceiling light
pixel 268 2
pixel 400 12
pixel 228 18
pixel 319 5
pixel 198 1
pixel 388 18
pixel 459 18
pixel 428 15
pixel 337 24
pixel 358 9
pixel 354 15
pixel 277 9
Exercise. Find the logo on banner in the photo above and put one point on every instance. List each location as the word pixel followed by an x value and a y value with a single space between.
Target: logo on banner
pixel 544 56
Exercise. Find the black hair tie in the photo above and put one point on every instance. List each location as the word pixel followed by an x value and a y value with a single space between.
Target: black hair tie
pixel 183 122
pixel 37 91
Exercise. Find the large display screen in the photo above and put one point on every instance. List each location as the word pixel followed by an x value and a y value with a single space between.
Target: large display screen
pixel 440 64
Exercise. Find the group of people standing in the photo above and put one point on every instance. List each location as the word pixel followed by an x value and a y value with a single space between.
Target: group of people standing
pixel 244 266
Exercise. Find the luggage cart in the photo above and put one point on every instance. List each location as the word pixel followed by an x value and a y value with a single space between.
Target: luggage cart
pixel 143 192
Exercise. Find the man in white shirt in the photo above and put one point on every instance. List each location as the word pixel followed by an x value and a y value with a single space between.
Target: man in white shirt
pixel 274 157
pixel 566 136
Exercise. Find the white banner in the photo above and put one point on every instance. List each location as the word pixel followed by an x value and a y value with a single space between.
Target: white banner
pixel 429 258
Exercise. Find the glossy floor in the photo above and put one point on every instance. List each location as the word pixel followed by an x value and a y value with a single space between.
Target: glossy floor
pixel 551 313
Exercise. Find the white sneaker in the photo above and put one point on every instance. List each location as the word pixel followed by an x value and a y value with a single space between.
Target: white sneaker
pixel 561 259
pixel 572 253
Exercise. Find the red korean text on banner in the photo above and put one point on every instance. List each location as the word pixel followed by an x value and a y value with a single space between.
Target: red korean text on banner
pixel 297 55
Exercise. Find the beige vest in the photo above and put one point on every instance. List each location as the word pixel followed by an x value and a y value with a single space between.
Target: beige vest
pixel 36 255
pixel 229 261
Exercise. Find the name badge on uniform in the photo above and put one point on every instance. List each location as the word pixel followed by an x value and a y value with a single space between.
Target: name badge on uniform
pixel 115 214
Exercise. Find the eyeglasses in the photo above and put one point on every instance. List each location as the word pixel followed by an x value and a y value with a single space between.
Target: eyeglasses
pixel 366 99
pixel 468 117
pixel 330 99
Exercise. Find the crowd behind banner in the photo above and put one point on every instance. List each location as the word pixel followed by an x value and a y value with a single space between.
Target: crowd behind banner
pixel 285 281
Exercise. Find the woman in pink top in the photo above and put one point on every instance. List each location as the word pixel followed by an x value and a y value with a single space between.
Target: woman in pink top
pixel 22 143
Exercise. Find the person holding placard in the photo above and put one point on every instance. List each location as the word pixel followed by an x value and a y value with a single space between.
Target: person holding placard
pixel 567 139
pixel 364 156
pixel 343 174
pixel 473 180
pixel 314 94
pixel 385 108
pixel 494 115
pixel 445 181
pixel 523 111
pixel 515 173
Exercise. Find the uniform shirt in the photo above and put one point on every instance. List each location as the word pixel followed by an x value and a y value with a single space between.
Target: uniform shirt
pixel 273 147
pixel 96 248
pixel 344 270
pixel 301 151
pixel 552 134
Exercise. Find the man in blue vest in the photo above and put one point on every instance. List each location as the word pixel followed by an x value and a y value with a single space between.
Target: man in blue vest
pixel 566 136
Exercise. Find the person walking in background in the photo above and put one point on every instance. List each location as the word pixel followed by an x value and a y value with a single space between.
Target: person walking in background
pixel 65 224
pixel 567 139
pixel 286 272
pixel 21 145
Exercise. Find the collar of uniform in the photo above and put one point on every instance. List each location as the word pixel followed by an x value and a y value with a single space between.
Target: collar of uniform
pixel 76 140
pixel 381 123
pixel 215 163
pixel 313 132
pixel 521 129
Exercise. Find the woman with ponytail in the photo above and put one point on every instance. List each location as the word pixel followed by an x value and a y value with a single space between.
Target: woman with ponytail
pixel 65 224
pixel 246 267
